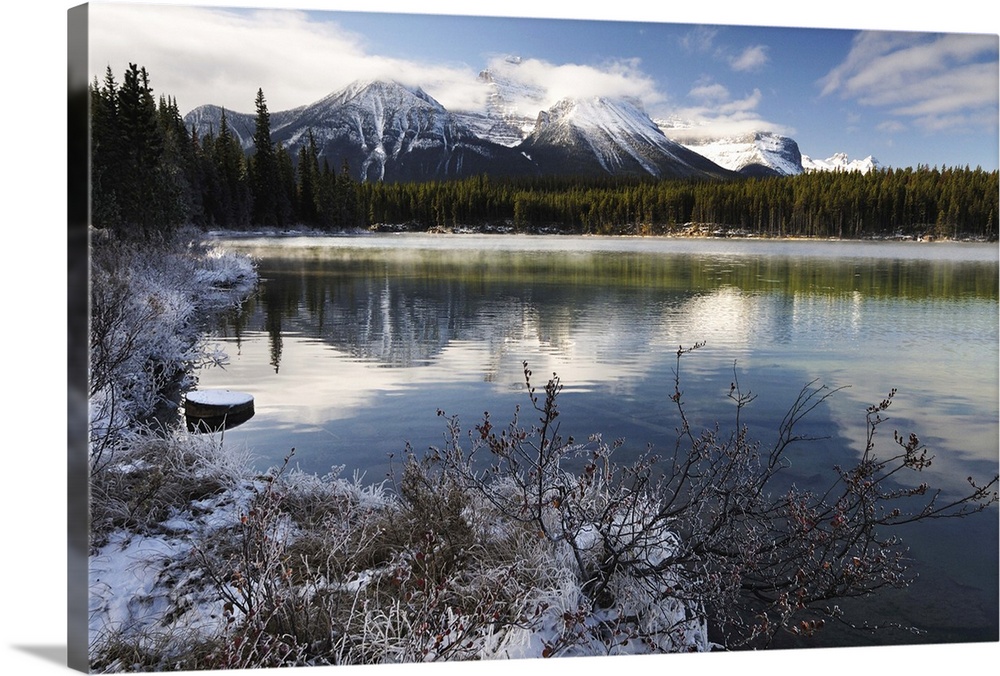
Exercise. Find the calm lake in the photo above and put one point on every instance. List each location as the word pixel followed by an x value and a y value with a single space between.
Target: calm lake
pixel 352 344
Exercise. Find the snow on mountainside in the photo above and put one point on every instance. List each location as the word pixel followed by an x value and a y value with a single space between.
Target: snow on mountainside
pixel 840 162
pixel 511 107
pixel 207 120
pixel 758 153
pixel 388 131
pixel 755 153
pixel 614 136
pixel 383 119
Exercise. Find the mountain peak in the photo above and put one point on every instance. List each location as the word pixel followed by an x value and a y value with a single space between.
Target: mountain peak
pixel 616 134
pixel 385 130
pixel 392 90
pixel 511 105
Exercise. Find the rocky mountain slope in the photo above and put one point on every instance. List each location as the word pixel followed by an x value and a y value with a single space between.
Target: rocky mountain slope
pixel 613 136
pixel 758 153
pixel 387 131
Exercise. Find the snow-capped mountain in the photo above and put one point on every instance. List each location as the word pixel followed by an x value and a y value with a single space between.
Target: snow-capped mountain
pixel 610 136
pixel 840 162
pixel 759 153
pixel 383 131
pixel 388 131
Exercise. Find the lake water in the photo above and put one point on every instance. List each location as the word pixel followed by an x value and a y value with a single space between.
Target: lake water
pixel 352 344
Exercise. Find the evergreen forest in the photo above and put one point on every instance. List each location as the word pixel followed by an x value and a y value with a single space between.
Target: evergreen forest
pixel 150 174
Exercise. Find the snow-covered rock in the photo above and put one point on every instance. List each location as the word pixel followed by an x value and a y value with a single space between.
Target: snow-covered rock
pixel 754 153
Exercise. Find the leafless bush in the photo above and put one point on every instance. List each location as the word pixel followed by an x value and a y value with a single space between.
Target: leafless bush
pixel 289 572
pixel 667 545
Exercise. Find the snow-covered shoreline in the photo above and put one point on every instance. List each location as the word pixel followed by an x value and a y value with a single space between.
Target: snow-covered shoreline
pixel 189 543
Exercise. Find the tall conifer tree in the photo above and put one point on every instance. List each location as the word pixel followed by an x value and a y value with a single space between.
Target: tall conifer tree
pixel 105 152
pixel 265 183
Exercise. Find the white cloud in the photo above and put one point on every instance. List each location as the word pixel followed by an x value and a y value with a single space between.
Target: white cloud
pixel 714 114
pixel 702 40
pixel 739 106
pixel 891 126
pixel 211 55
pixel 547 83
pixel 751 59
pixel 205 55
pixel 709 92
pixel 938 81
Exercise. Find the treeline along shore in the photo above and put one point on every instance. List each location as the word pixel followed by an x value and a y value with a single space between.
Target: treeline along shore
pixel 922 202
pixel 150 173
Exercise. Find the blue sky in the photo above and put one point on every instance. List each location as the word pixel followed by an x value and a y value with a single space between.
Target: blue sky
pixel 894 90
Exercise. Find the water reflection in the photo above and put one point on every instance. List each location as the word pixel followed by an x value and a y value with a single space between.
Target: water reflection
pixel 355 324
pixel 351 345
pixel 401 307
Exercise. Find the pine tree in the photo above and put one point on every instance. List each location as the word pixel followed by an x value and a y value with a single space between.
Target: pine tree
pixel 347 197
pixel 141 148
pixel 286 207
pixel 105 153
pixel 138 184
pixel 264 168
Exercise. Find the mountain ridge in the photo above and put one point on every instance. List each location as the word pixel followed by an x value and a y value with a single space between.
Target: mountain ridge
pixel 388 131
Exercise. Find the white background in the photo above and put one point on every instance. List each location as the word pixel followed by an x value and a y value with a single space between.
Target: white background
pixel 32 180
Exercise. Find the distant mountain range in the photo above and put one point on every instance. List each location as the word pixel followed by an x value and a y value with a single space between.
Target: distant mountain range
pixel 839 162
pixel 391 132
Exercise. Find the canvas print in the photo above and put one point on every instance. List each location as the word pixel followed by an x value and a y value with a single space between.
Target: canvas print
pixel 412 338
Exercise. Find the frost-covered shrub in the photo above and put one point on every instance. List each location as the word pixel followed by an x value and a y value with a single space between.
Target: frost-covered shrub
pixel 156 476
pixel 608 588
pixel 148 304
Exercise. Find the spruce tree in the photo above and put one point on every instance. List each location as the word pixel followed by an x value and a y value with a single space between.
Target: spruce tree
pixel 347 197
pixel 286 207
pixel 138 185
pixel 105 153
pixel 265 181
